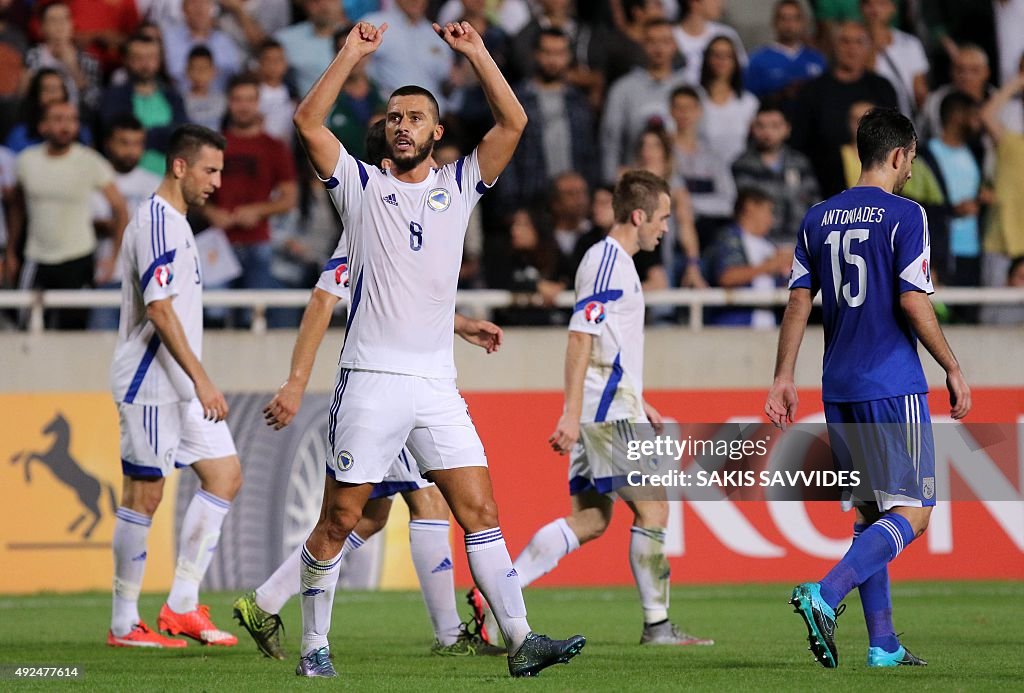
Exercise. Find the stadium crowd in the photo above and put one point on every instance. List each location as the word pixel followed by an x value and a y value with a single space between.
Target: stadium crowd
pixel 748 136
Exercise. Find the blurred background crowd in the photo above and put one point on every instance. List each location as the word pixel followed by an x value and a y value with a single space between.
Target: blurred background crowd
pixel 748 109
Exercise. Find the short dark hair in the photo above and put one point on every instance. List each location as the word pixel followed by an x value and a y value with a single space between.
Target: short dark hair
pixel 124 121
pixel 750 194
pixel 656 22
pixel 376 144
pixel 242 79
pixel 44 9
pixel 637 189
pixel 550 32
pixel 266 45
pixel 1015 263
pixel 955 102
pixel 140 38
pixel 413 90
pixel 200 51
pixel 792 3
pixel 880 131
pixel 188 139
pixel 772 106
pixel 684 90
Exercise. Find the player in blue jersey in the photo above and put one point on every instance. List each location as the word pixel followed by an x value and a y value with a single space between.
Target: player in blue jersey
pixel 867 251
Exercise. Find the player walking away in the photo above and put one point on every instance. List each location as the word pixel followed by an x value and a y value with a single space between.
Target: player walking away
pixel 428 527
pixel 867 251
pixel 603 402
pixel 396 378
pixel 171 413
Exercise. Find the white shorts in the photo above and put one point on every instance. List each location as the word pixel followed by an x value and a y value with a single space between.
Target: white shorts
pixel 404 476
pixel 373 415
pixel 599 462
pixel 157 438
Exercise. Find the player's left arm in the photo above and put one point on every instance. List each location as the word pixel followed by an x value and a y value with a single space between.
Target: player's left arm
pixel 119 212
pixel 498 145
pixel 921 315
pixel 481 333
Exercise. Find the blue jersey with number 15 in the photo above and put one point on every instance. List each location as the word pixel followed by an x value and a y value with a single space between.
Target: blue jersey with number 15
pixel 863 248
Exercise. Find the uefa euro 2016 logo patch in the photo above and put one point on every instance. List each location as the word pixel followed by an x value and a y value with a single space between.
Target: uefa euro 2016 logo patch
pixel 594 313
pixel 345 460
pixel 439 199
pixel 163 275
pixel 341 275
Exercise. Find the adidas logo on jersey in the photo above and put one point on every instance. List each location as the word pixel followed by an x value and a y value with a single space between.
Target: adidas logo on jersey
pixel 391 199
pixel 444 565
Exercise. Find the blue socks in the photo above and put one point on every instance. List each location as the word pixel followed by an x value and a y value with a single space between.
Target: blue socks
pixel 877 605
pixel 880 543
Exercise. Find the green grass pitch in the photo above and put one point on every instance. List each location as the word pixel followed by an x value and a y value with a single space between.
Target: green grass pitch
pixel 971 633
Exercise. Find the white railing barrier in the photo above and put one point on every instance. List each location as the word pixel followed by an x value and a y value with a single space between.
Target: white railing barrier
pixel 473 301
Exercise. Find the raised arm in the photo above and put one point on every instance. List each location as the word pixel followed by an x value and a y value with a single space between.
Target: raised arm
pixel 498 145
pixel 321 145
pixel 990 111
pixel 918 308
pixel 782 399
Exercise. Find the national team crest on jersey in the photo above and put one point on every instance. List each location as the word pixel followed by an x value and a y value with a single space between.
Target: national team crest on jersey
pixel 341 275
pixel 594 313
pixel 345 460
pixel 439 199
pixel 163 275
pixel 928 487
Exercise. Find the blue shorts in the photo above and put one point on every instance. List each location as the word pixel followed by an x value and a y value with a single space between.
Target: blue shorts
pixel 889 442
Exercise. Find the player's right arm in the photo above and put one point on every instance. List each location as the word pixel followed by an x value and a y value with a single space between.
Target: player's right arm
pixel 321 145
pixel 994 106
pixel 161 313
pixel 577 356
pixel 315 320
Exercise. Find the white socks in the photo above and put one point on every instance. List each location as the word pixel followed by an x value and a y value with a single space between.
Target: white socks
pixel 549 545
pixel 131 529
pixel 492 570
pixel 285 583
pixel 432 558
pixel 319 579
pixel 200 531
pixel 651 571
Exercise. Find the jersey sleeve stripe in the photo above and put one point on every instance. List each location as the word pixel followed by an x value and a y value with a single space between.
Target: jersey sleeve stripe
pixel 152 226
pixel 140 372
pixel 333 263
pixel 600 267
pixel 458 172
pixel 609 267
pixel 609 390
pixel 364 177
pixel 602 297
pixel 163 229
pixel 164 259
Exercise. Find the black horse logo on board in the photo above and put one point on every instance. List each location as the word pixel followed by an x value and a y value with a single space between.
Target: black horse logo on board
pixel 69 472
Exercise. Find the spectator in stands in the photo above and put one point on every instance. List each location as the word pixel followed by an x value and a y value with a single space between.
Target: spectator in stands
pixel 785 174
pixel 970 75
pixel 697 26
pixel 962 180
pixel 124 146
pixel 250 22
pixel 743 256
pixel 150 30
pixel 468 110
pixel 625 48
pixel 157 105
pixel 698 168
pixel 13 46
pixel 511 15
pixel 1005 236
pixel 412 53
pixel 359 103
pixel 309 45
pixel 559 136
pixel 81 71
pixel 570 211
pixel 588 45
pixel 46 87
pixel 258 182
pixel 1008 314
pixel 532 268
pixel 778 71
pixel 639 99
pixel 953 23
pixel 205 103
pixel 820 119
pixel 56 180
pixel 277 99
pixel 8 179
pixel 103 28
pixel 1009 20
pixel 899 56
pixel 198 28
pixel 728 107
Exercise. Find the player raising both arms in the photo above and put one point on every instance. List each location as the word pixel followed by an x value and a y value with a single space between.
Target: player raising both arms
pixel 171 413
pixel 867 251
pixel 429 515
pixel 396 380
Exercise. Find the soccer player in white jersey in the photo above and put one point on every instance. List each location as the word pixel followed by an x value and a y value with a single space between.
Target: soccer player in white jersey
pixel 396 378
pixel 604 402
pixel 258 612
pixel 171 414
